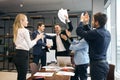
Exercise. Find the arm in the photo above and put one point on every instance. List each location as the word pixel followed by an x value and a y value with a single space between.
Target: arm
pixel 78 45
pixel 88 35
pixel 83 30
pixel 30 42
pixel 69 24
pixel 34 34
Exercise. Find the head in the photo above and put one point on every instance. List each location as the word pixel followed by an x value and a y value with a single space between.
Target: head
pixel 86 18
pixel 41 26
pixel 99 20
pixel 57 28
pixel 21 21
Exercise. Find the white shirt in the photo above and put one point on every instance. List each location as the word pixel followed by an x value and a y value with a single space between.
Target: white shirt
pixel 23 40
pixel 60 46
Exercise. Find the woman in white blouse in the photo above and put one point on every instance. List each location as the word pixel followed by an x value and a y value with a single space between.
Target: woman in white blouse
pixel 23 43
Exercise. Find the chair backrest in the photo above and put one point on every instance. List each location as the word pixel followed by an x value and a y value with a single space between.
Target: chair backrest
pixel 34 68
pixel 64 60
pixel 110 75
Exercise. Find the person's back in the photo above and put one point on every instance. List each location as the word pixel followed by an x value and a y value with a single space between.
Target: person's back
pixel 80 49
pixel 81 59
pixel 99 44
pixel 98 40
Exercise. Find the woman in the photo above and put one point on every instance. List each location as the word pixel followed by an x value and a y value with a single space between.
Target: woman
pixel 81 58
pixel 23 43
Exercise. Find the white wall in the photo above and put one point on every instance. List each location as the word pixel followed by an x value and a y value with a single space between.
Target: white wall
pixel 98 6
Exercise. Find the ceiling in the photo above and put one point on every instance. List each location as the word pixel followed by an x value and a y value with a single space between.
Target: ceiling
pixel 32 6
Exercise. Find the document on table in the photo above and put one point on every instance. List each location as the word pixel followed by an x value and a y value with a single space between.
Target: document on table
pixel 67 67
pixel 52 68
pixel 65 73
pixel 48 74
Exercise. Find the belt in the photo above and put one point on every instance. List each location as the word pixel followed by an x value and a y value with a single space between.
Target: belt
pixel 97 61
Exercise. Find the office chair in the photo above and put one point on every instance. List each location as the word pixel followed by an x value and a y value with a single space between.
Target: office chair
pixel 64 61
pixel 110 75
pixel 33 68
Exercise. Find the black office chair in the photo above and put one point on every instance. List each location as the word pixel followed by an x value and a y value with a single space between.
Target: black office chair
pixel 110 75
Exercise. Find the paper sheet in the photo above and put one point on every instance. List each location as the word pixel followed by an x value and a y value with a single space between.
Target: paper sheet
pixel 49 42
pixel 61 14
pixel 51 68
pixel 48 74
pixel 65 73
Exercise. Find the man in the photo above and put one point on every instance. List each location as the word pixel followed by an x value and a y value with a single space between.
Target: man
pixel 98 40
pixel 61 40
pixel 40 49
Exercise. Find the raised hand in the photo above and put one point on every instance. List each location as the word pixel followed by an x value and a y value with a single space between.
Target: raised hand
pixel 86 18
pixel 40 36
pixel 63 36
pixel 68 33
pixel 67 18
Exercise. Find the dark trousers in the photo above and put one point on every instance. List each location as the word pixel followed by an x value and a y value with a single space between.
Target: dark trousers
pixel 99 70
pixel 21 62
pixel 80 72
pixel 41 57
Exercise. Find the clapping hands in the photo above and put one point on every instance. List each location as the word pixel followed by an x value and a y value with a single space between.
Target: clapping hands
pixel 40 36
pixel 84 18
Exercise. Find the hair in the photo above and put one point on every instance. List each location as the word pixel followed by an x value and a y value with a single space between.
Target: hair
pixel 17 24
pixel 39 24
pixel 101 18
pixel 57 24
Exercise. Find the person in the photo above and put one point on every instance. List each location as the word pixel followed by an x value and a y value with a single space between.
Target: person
pixel 61 41
pixel 23 43
pixel 80 49
pixel 81 58
pixel 40 49
pixel 98 40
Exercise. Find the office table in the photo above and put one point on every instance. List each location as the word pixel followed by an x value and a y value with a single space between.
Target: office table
pixel 54 77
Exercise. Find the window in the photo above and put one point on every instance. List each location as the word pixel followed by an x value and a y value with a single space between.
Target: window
pixel 118 35
pixel 108 26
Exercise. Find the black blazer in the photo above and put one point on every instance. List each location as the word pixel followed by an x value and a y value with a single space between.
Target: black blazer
pixel 66 43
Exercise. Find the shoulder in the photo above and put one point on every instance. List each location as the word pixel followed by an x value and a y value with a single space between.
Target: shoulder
pixel 35 32
pixel 23 30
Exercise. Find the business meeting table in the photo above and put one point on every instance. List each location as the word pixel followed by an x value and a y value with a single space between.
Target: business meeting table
pixel 51 73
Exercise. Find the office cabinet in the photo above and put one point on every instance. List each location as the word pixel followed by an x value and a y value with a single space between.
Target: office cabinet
pixel 6 45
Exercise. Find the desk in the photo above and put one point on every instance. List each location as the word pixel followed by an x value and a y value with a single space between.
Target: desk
pixel 54 77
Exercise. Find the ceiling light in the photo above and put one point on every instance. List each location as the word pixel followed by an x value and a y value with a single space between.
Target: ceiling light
pixel 21 5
